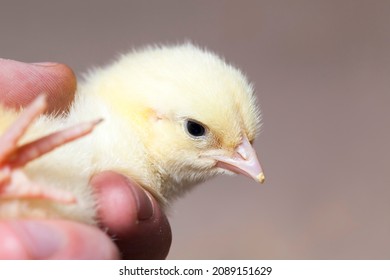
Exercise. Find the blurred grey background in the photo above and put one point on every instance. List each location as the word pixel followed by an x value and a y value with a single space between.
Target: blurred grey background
pixel 321 71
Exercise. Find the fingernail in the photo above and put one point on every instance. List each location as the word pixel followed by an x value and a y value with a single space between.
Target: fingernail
pixel 41 240
pixel 144 204
pixel 47 64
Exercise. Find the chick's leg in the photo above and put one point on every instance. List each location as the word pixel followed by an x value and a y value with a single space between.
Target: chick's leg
pixel 14 184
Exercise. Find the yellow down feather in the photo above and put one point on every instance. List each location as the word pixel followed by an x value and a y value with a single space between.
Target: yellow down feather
pixel 146 98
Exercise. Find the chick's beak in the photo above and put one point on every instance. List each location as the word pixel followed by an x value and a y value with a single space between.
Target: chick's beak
pixel 244 161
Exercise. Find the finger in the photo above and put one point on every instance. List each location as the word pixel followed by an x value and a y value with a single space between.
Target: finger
pixel 133 217
pixel 20 83
pixel 53 239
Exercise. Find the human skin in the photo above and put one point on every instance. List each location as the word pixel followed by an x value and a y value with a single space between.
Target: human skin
pixel 126 211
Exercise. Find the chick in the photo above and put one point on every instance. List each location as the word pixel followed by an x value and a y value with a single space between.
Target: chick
pixel 173 116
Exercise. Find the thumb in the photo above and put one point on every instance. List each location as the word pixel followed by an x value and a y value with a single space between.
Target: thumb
pixel 20 83
pixel 53 239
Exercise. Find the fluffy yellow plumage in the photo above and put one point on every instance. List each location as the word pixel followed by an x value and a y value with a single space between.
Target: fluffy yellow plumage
pixel 173 117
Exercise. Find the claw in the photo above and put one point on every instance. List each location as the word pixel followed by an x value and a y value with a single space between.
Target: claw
pixel 20 187
pixel 11 137
pixel 41 146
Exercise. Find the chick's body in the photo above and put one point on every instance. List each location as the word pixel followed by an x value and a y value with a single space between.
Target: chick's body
pixel 147 99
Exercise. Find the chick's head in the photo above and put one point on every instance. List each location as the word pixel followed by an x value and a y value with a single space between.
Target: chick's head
pixel 197 114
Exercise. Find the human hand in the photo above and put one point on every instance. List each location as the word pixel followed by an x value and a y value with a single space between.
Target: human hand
pixel 129 214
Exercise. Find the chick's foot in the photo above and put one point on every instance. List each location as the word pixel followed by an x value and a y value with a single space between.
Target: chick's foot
pixel 14 183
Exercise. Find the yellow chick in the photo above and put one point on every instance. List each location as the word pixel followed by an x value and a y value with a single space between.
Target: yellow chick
pixel 173 116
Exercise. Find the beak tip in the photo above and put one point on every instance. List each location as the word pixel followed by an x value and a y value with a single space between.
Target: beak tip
pixel 261 178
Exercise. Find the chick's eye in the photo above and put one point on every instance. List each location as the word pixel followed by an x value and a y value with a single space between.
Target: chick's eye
pixel 195 129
